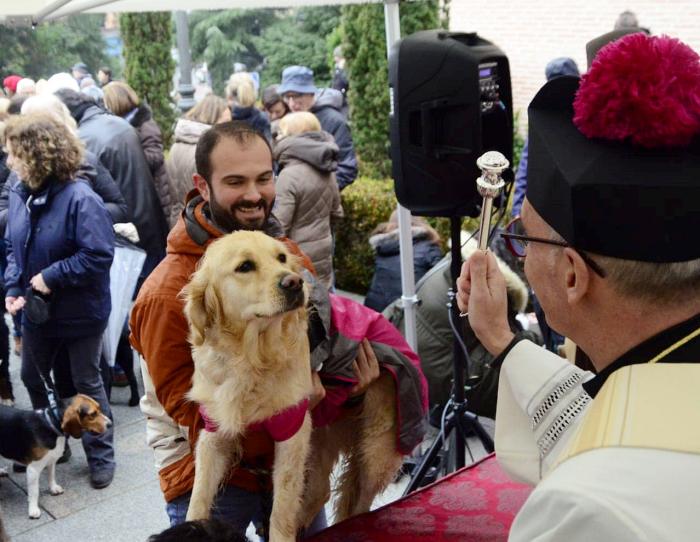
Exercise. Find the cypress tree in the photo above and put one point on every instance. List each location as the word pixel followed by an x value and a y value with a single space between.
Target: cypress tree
pixel 364 47
pixel 149 66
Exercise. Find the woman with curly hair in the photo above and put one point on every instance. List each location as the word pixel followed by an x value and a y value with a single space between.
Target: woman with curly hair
pixel 60 246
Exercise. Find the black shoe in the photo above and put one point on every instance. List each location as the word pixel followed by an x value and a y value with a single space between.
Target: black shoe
pixel 18 467
pixel 6 395
pixel 66 454
pixel 100 479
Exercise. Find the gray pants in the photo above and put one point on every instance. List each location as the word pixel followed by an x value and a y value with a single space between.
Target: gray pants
pixel 39 352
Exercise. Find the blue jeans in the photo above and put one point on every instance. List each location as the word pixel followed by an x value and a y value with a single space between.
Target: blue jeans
pixel 238 507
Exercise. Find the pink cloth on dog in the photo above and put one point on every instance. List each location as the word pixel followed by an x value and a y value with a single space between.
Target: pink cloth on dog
pixel 282 426
pixel 331 407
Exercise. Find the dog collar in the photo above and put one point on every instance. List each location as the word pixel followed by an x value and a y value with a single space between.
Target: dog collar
pixel 51 415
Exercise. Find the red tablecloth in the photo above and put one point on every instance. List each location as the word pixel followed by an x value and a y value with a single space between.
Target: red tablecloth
pixel 475 504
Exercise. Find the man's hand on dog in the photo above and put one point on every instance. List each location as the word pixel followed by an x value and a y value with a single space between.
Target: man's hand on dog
pixel 366 368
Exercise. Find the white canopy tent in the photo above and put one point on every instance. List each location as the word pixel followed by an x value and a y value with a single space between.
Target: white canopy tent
pixel 33 12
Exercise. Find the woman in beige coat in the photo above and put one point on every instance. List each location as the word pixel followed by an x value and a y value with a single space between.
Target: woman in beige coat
pixel 180 163
pixel 307 191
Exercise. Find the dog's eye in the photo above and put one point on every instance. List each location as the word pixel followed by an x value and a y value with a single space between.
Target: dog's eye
pixel 246 267
pixel 282 258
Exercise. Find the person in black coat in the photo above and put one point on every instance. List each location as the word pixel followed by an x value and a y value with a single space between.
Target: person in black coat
pixel 117 145
pixel 121 100
pixel 7 396
pixel 386 282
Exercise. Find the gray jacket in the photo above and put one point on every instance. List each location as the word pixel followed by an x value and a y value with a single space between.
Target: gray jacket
pixel 180 163
pixel 308 197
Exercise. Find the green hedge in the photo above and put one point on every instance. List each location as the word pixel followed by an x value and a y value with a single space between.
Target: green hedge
pixel 366 203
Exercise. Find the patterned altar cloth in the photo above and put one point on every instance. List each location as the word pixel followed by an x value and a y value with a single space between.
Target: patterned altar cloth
pixel 475 504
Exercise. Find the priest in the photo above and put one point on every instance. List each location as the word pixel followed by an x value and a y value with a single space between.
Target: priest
pixel 607 231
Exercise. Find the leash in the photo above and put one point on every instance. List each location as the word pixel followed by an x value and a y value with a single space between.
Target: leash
pixel 51 414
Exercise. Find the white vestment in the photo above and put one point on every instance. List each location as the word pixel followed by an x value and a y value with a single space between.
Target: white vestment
pixel 634 477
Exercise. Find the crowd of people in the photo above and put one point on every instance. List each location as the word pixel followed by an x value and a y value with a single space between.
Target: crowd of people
pixel 85 163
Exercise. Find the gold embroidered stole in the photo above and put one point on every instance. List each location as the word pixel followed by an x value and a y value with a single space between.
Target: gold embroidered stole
pixel 649 405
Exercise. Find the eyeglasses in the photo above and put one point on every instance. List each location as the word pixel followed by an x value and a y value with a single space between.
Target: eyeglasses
pixel 291 97
pixel 517 244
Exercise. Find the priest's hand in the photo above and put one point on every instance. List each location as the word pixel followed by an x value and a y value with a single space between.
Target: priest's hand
pixel 481 292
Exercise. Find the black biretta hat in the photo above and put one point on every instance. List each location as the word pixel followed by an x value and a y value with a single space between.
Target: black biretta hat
pixel 606 192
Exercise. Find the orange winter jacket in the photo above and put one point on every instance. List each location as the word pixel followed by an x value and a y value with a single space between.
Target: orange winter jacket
pixel 159 333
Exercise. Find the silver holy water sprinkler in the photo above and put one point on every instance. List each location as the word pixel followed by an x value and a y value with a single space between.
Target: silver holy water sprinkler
pixel 489 185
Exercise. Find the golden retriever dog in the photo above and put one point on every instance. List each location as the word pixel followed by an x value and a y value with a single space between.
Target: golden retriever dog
pixel 246 307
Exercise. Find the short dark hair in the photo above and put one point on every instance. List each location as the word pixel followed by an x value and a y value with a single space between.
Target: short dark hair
pixel 241 132
pixel 271 96
pixel 107 71
pixel 210 530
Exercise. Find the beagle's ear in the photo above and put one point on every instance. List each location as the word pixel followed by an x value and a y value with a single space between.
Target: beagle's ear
pixel 71 421
pixel 202 305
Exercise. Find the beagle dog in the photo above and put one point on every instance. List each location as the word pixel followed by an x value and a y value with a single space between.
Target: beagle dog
pixel 37 439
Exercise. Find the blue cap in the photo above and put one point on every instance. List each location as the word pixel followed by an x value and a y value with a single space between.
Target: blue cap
pixel 297 79
pixel 561 66
pixel 81 67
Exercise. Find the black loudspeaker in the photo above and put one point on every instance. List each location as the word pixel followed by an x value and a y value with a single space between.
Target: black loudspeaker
pixel 451 101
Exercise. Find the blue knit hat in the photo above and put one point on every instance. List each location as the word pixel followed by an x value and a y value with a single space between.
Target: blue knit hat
pixel 297 79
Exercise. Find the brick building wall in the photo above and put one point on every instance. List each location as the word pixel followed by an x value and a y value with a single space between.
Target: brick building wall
pixel 531 33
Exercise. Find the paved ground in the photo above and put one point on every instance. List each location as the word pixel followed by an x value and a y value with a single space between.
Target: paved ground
pixel 129 510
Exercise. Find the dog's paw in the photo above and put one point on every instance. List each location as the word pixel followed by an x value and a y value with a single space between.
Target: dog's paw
pixel 56 490
pixel 7 402
pixel 34 512
pixel 3 472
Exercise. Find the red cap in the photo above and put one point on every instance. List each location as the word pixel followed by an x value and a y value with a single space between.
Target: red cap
pixel 11 81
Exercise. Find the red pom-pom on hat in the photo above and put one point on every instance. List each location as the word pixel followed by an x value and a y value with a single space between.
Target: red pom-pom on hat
pixel 642 89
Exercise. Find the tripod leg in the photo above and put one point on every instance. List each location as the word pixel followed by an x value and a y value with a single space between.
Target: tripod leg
pixel 468 421
pixel 430 457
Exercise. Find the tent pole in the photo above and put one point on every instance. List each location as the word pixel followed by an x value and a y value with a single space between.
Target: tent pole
pixel 185 88
pixel 48 10
pixel 409 300
pixel 78 8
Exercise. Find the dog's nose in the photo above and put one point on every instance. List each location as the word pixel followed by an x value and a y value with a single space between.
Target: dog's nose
pixel 108 422
pixel 291 283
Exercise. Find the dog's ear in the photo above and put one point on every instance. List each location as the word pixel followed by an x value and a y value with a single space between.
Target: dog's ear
pixel 71 421
pixel 202 306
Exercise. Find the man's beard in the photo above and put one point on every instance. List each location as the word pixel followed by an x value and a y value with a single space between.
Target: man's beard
pixel 226 218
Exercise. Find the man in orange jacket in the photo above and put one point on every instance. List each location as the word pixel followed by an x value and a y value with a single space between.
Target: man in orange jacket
pixel 235 190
